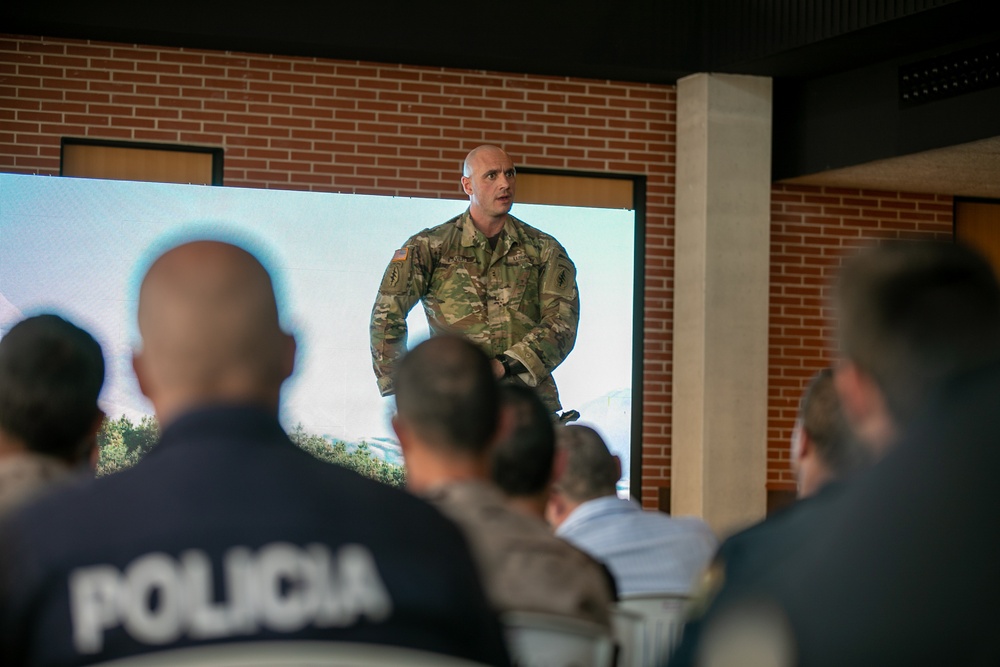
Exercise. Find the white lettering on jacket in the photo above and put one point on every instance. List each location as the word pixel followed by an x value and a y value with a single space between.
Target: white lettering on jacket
pixel 282 587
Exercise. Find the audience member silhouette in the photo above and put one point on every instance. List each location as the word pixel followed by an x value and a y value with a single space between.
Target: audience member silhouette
pixel 824 453
pixel 51 373
pixel 647 552
pixel 448 419
pixel 904 570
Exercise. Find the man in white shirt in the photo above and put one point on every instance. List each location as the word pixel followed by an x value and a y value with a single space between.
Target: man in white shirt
pixel 647 552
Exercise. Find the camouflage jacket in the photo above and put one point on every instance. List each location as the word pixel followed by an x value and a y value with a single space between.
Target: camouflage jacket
pixel 520 299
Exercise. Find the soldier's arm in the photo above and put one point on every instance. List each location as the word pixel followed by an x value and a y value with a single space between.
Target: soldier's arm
pixel 547 344
pixel 403 284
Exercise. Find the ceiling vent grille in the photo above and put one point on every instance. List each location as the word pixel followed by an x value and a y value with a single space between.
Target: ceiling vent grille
pixel 946 76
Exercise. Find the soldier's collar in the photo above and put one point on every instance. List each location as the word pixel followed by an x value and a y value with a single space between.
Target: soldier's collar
pixel 469 230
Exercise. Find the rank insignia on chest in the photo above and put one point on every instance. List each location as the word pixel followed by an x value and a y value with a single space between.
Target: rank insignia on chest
pixel 401 255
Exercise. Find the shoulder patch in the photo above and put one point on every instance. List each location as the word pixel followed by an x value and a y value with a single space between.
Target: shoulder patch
pixel 396 278
pixel 561 277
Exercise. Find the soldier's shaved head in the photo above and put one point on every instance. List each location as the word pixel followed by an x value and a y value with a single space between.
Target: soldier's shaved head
pixel 477 154
pixel 210 331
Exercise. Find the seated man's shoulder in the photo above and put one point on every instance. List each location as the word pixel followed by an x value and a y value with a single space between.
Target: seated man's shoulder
pixel 525 566
pixel 28 477
pixel 752 552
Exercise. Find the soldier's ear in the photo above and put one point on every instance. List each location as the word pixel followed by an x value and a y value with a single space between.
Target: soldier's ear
pixel 467 185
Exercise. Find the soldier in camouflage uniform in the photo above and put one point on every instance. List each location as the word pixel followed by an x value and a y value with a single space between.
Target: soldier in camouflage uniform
pixel 488 276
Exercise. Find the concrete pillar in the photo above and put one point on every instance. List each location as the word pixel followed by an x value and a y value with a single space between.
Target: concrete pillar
pixel 721 260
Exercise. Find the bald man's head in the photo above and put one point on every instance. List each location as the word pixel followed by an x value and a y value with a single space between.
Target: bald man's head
pixel 210 332
pixel 479 153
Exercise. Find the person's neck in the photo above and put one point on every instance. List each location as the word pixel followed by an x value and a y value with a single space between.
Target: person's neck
pixel 10 445
pixel 533 505
pixel 427 468
pixel 169 408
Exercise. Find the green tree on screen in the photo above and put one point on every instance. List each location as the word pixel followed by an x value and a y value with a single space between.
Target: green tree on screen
pixel 123 443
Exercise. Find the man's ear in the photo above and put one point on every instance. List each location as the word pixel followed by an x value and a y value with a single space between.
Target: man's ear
pixel 618 465
pixel 556 509
pixel 855 389
pixel 805 447
pixel 506 423
pixel 864 405
pixel 93 453
pixel 289 348
pixel 467 185
pixel 139 368
pixel 402 434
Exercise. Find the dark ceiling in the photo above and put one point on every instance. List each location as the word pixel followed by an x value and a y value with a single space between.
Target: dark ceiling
pixel 834 61
pixel 638 40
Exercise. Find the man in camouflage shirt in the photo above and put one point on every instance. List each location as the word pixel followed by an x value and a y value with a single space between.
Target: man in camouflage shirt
pixel 504 285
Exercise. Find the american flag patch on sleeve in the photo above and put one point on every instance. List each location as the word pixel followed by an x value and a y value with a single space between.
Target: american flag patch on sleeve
pixel 401 255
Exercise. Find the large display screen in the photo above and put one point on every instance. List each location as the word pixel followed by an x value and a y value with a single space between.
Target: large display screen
pixel 79 247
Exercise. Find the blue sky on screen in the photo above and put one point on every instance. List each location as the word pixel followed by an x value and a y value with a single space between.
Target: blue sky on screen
pixel 79 247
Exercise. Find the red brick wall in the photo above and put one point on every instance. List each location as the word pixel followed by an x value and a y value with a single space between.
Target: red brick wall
pixel 812 229
pixel 305 123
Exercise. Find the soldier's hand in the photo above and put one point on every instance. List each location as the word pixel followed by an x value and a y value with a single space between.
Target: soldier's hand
pixel 498 370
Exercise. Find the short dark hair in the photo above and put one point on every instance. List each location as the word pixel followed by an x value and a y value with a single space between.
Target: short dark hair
pixel 522 462
pixel 51 373
pixel 823 421
pixel 591 470
pixel 913 313
pixel 446 391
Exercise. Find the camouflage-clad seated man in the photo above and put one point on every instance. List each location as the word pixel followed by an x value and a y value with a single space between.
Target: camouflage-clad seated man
pixel 504 285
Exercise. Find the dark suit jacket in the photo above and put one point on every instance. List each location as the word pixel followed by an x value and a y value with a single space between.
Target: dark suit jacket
pixel 746 562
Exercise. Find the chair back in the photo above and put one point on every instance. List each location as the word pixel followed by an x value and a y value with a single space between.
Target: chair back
pixel 291 654
pixel 628 630
pixel 548 640
pixel 647 627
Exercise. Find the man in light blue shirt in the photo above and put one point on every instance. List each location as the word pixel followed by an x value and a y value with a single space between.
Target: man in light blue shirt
pixel 647 552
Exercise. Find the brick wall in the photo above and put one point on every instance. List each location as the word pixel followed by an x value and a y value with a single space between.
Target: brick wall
pixel 812 230
pixel 323 125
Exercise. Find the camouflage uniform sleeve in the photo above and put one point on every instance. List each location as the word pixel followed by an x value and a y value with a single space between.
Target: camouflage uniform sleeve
pixel 547 344
pixel 403 284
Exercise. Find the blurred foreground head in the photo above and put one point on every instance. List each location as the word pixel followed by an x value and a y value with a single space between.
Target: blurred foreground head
pixel 911 315
pixel 51 373
pixel 447 410
pixel 210 331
